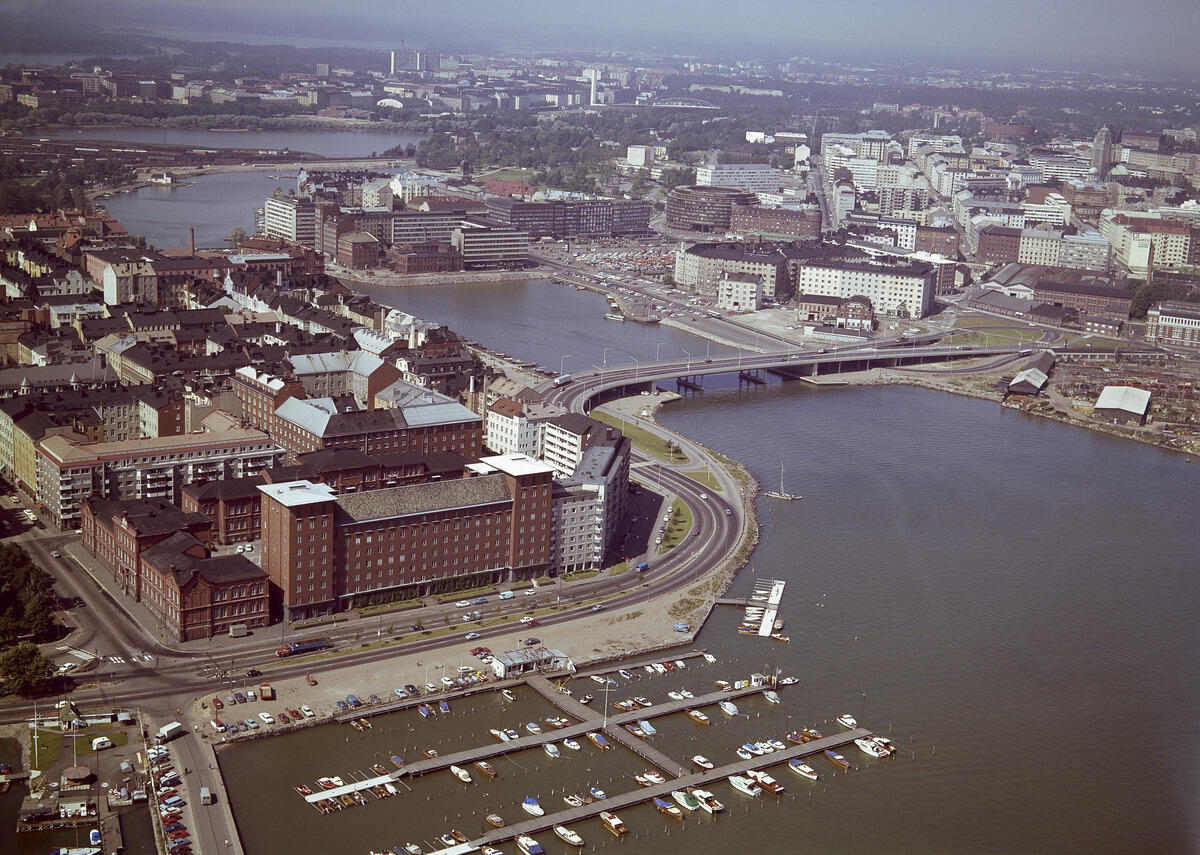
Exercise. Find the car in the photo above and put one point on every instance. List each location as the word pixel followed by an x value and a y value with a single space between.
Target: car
pixel 704 497
pixel 527 619
pixel 430 688
pixel 54 553
pixel 529 642
pixel 295 714
pixel 251 723
pixel 599 607
pixel 463 604
pixel 529 592
pixel 254 672
pixel 411 689
pixel 374 699
pixel 471 636
pixel 447 682
pixel 729 512
pixel 353 701
pixel 241 549
pixel 250 696
pixel 14 500
pixel 283 717
pixel 230 700
pixel 307 710
pixel 217 705
pixel 534 622
pixel 475 651
pixel 401 694
pixel 695 532
pixel 241 699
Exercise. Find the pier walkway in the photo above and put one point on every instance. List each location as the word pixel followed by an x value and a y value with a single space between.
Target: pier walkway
pixel 703 779
pixel 594 721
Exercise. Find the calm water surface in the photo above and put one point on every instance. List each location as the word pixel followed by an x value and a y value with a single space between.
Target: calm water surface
pixel 327 143
pixel 1012 599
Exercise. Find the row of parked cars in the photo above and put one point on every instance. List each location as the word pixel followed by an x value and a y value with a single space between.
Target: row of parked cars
pixel 170 803
pixel 286 716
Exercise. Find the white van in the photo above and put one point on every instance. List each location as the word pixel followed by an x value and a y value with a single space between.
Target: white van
pixel 218 725
pixel 101 742
pixel 506 595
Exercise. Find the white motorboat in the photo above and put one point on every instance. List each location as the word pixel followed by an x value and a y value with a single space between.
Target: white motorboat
pixel 803 769
pixel 745 786
pixel 871 748
pixel 686 693
pixel 702 761
pixel 531 806
pixel 596 678
pixel 675 696
pixel 709 658
pixel 598 794
pixel 659 668
pixel 708 802
pixel 552 750
pixel 728 707
pixel 771 696
pixel 568 836
pixel 533 728
pixel 529 846
pixel 625 674
pixel 777 745
pixel 685 800
pixel 573 800
pixel 508 694
pixel 680 664
pixel 848 721
pixel 461 773
pixel 744 754
pixel 572 744
pixel 754 748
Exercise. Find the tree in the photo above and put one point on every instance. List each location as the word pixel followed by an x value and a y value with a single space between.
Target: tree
pixel 236 235
pixel 26 671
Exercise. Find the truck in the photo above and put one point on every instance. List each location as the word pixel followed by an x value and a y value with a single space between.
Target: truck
pixel 206 797
pixel 561 380
pixel 266 692
pixel 297 647
pixel 238 630
pixel 169 731
pixel 642 567
pixel 506 595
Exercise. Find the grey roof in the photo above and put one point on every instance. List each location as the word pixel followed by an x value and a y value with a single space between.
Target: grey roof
pixel 1032 376
pixel 423 498
pixel 1127 398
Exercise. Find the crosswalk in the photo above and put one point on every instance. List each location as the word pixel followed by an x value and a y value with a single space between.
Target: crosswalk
pixel 132 658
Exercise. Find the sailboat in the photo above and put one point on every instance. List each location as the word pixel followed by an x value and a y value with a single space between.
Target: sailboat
pixel 782 494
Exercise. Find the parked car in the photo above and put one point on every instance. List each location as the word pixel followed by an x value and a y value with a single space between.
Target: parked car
pixel 447 682
pixel 267 718
pixel 471 636
pixel 217 705
pixel 251 723
pixel 307 710
pixel 411 689
pixel 241 699
pixel 529 642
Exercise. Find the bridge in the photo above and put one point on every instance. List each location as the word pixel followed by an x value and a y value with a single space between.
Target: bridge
pixel 586 386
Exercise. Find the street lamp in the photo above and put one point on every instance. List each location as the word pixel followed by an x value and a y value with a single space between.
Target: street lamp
pixel 637 366
pixel 604 355
pixel 658 350
pixel 689 357
pixel 561 360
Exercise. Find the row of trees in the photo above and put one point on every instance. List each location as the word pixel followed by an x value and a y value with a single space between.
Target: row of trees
pixel 27 605
pixel 47 185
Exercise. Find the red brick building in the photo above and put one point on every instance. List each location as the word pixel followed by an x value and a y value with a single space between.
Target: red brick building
pixel 329 552
pixel 943 240
pixel 754 219
pixel 999 244
pixel 1084 299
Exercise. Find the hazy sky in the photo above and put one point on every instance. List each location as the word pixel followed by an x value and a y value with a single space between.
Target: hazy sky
pixel 1038 32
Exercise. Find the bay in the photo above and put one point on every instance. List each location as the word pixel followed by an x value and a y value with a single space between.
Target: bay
pixel 324 143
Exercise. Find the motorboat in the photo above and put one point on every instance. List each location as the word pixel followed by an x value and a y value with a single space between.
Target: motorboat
pixel 533 728
pixel 708 802
pixel 390 789
pixel 613 823
pixel 647 727
pixel 685 800
pixel 643 781
pixel 728 707
pixel 886 744
pixel 779 636
pixel 746 786
pixel 531 806
pixel 552 750
pixel 649 669
pixel 836 759
pixel 424 710
pixel 486 768
pixel 447 840
pixel 635 730
pixel 443 706
pixel 698 717
pixel 809 734
pixel 508 695
pixel 625 674
pixel 654 777
pixel 529 846
pixel 868 746
pixel 573 800
pixel 461 773
pixel 412 849
pixel 568 836
pixel 789 681
pixel 596 678
pixel 723 685
pixel 680 664
pixel 327 783
pixel 709 658
pixel 304 789
pixel 686 694
pixel 378 769
pixel 765 781
pixel 848 721
pixel 587 699
pixel 803 769
pixel 598 794
pixel 498 735
pixel 643 702
pixel 430 753
pixel 753 748
pixel 495 820
pixel 765 746
pixel 659 668
pixel 702 761
pixel 458 836
pixel 771 696
pixel 598 740
pixel 585 797
pixel 675 696
pixel 776 744
pixel 664 806
pixel 573 744
pixel 744 754
pixel 627 705
pixel 397 760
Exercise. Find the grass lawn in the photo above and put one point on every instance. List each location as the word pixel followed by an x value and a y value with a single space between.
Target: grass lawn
pixel 389 607
pixel 651 443
pixel 705 477
pixel 525 175
pixel 49 743
pixel 984 321
pixel 618 569
pixel 678 528
pixel 998 335
pixel 1096 341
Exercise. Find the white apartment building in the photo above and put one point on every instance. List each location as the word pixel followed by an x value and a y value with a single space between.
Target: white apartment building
pixel 291 219
pixel 1055 210
pixel 1174 323
pixel 892 289
pixel 1085 251
pixel 639 155
pixel 937 142
pixel 1039 247
pixel 1141 241
pixel 740 292
pixel 514 427
pixel 1061 166
pixel 487 243
pixel 755 177
pixel 411 185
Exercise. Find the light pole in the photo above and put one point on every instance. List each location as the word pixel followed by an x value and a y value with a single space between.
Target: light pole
pixel 637 366
pixel 561 360
pixel 658 350
pixel 604 355
pixel 689 357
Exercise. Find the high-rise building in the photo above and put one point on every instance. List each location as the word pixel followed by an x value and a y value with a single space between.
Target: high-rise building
pixel 403 60
pixel 1102 152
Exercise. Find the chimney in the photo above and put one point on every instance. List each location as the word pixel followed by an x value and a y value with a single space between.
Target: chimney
pixel 192 241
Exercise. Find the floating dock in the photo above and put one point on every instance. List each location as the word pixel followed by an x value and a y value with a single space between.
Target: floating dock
pixel 774 598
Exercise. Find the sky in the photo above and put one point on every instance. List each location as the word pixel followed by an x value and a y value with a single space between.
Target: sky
pixel 1042 33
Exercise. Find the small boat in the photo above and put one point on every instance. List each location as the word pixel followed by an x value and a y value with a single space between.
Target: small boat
pixel 495 820
pixel 809 734
pixel 458 835
pixel 424 710
pixel 654 777
pixel 744 754
pixel 643 781
pixel 446 839
pixel 390 789
pixel 508 695
pixel 746 786
pixel 625 706
pixel 598 740
pixel 698 717
pixel 848 721
pixel 771 696
pixel 723 685
pixel 598 794
pixel 675 696
pixel 613 316
pixel 708 802
pixel 444 706
pixel 586 798
pixel 664 806
pixel 498 735
pixel 596 678
pixel 765 746
pixel 702 761
pixel 511 734
pixel 327 783
pixel 573 744
pixel 836 759
pixel 412 849
pixel 568 836
pixel 552 750
pixel 886 744
pixel 533 728
pixel 649 669
pixel 680 664
pixel 647 728
pixel 378 769
pixel 625 674
pixel 486 768
pixel 364 724
pixel 531 806
pixel 728 707
pixel 573 800
pixel 871 748
pixel 754 748
pixel 686 694
pixel 765 781
pixel 779 636
pixel 709 658
pixel 461 773
pixel 302 789
pixel 431 753
pixel 356 726
pixel 778 625
pixel 789 681
pixel 613 823
pixel 643 702
pixel 659 668
pixel 803 769
pixel 635 730
pixel 397 760
pixel 587 699
pixel 776 744
pixel 685 800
